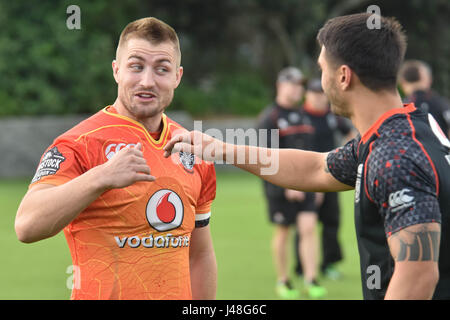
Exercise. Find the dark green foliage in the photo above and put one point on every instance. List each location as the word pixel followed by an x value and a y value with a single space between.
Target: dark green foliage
pixel 231 49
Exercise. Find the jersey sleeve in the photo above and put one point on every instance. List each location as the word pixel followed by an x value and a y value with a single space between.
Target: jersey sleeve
pixel 404 188
pixel 207 195
pixel 60 163
pixel 342 162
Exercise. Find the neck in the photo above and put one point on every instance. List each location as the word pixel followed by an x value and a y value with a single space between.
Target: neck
pixel 152 124
pixel 370 106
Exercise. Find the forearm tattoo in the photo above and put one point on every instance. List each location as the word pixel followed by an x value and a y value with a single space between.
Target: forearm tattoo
pixel 416 244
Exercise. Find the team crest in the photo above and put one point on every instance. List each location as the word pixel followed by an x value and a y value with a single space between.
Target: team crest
pixel 187 160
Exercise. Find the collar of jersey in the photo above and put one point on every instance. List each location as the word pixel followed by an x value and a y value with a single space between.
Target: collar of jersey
pixel 407 108
pixel 147 134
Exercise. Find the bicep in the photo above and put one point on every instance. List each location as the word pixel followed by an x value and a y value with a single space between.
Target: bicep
pixel 415 250
pixel 418 242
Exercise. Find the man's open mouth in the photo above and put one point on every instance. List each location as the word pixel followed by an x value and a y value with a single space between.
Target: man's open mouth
pixel 145 95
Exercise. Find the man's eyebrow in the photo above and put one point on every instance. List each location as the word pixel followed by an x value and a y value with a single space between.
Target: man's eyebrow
pixel 136 57
pixel 162 60
pixel 318 64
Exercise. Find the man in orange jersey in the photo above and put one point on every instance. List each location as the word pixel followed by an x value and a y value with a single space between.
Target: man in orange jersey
pixel 136 223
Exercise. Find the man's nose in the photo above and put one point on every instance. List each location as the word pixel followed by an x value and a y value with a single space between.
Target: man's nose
pixel 148 78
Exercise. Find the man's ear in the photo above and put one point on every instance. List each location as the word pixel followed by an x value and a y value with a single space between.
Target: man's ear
pixel 179 75
pixel 115 69
pixel 345 75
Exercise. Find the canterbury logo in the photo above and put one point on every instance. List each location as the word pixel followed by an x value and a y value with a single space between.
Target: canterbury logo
pixel 400 199
pixel 113 148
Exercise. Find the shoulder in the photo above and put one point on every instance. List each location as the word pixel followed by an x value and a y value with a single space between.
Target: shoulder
pixel 397 148
pixel 89 125
pixel 397 161
pixel 400 181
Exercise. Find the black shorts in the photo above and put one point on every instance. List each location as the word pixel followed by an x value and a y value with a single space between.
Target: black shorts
pixel 284 212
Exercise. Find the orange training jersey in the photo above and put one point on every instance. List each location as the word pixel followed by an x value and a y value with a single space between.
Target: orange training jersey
pixel 131 243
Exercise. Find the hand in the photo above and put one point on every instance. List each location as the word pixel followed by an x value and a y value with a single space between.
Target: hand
pixel 201 145
pixel 125 168
pixel 294 195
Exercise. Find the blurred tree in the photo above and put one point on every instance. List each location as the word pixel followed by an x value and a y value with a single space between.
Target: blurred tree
pixel 232 50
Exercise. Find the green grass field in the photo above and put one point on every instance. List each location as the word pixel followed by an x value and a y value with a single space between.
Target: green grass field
pixel 241 234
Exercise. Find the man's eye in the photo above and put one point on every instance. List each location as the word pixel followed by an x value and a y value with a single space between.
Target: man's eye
pixel 162 70
pixel 136 67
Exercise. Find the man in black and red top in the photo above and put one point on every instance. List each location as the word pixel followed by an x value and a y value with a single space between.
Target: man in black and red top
pixel 399 166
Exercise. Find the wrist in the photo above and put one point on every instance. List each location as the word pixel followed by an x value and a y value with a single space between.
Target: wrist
pixel 98 179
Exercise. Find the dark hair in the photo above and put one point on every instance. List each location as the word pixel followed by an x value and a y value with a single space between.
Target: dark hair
pixel 375 55
pixel 151 29
pixel 410 70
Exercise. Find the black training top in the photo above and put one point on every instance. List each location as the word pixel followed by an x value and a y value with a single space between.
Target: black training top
pixel 295 132
pixel 401 173
pixel 326 124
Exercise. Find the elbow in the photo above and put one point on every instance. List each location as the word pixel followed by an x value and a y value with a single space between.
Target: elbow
pixel 24 232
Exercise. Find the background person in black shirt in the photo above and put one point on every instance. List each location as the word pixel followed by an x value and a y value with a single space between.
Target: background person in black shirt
pixel 289 207
pixel 330 131
pixel 416 79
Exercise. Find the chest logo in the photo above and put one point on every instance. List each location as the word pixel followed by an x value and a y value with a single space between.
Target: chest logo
pixel 187 160
pixel 165 210
pixel 113 148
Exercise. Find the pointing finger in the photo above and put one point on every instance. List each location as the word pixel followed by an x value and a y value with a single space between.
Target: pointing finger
pixel 168 148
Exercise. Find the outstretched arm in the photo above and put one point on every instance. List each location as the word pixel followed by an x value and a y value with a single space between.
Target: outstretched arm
pixel 288 168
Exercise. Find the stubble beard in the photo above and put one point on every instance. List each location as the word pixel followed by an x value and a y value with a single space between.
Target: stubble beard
pixel 142 111
pixel 338 105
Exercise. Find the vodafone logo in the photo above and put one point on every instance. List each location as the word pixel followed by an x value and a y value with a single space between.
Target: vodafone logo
pixel 113 148
pixel 165 210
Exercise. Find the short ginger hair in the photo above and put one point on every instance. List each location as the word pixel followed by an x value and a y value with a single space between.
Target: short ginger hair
pixel 153 30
